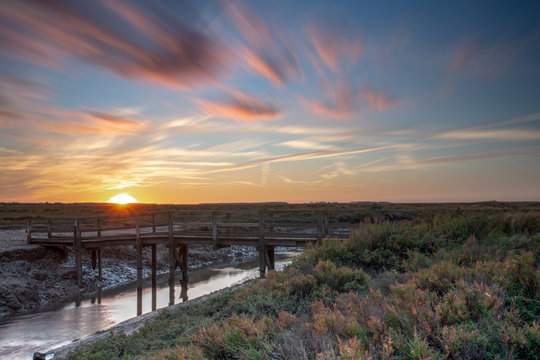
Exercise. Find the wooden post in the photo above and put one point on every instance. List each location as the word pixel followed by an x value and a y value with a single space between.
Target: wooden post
pixel 326 225
pixel 262 248
pixel 171 260
pixel 319 227
pixel 186 223
pixel 93 252
pixel 100 272
pixel 154 223
pixel 98 224
pixel 273 221
pixel 154 284
pixel 29 231
pixel 229 222
pixel 49 228
pixel 78 253
pixel 270 258
pixel 139 265
pixel 183 252
pixel 214 230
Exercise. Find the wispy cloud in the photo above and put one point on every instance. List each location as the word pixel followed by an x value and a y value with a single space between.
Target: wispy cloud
pixel 269 51
pixel 334 46
pixel 164 48
pixel 501 134
pixel 240 106
pixel 448 160
pixel 341 100
pixel 298 157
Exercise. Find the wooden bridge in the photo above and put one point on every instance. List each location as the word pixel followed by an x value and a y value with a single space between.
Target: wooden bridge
pixel 264 229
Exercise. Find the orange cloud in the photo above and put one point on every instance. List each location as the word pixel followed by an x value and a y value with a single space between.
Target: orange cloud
pixel 166 50
pixel 240 106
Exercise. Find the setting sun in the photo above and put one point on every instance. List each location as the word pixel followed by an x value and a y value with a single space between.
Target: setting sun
pixel 122 199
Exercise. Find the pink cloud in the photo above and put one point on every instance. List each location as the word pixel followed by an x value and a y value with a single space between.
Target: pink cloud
pixel 166 49
pixel 335 46
pixel 240 106
pixel 342 100
pixel 464 54
pixel 480 58
pixel 376 99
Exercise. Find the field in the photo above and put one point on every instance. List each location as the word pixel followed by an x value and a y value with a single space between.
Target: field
pixel 459 282
pixel 14 215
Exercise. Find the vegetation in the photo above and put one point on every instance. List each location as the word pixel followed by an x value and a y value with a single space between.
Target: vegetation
pixel 14 215
pixel 442 287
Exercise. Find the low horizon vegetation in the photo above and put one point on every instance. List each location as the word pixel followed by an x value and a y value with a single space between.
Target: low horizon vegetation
pixel 445 286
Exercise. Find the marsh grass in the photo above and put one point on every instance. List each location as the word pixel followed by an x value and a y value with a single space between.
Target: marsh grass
pixel 449 286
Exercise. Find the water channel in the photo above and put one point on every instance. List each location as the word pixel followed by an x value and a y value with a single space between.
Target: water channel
pixel 22 335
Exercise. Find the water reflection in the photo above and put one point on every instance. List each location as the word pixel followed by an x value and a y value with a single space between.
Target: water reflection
pixel 21 336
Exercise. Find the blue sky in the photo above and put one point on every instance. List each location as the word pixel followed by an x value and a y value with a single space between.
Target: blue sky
pixel 300 101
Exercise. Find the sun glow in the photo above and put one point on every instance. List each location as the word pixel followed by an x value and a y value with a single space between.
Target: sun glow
pixel 122 199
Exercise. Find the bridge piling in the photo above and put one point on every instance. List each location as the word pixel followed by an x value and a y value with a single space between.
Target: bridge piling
pixel 270 258
pixel 171 259
pixel 154 283
pixel 100 272
pixel 78 253
pixel 29 231
pixel 262 247
pixel 139 265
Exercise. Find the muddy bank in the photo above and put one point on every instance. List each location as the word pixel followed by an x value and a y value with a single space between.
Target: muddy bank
pixel 34 277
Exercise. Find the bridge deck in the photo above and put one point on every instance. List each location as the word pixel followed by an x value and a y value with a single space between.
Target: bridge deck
pixel 180 229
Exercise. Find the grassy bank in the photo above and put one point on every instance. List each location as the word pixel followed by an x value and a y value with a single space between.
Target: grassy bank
pixel 442 287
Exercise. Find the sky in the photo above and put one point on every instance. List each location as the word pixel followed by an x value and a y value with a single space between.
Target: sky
pixel 297 101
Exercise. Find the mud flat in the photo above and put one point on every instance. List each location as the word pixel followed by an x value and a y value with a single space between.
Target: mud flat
pixel 34 277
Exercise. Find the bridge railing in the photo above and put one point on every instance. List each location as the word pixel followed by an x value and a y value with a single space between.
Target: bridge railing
pixel 216 223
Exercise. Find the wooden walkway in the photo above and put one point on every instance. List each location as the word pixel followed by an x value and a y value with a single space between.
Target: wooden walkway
pixel 179 229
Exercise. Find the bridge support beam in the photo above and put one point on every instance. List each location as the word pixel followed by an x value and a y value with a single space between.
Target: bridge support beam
pixel 94 258
pixel 154 283
pixel 138 247
pixel 78 251
pixel 270 258
pixel 100 271
pixel 172 260
pixel 262 246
